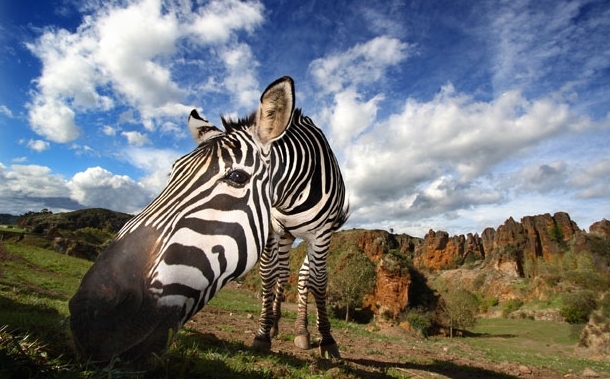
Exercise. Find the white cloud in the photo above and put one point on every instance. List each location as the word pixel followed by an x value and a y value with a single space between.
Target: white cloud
pixel 218 20
pixel 30 181
pixel 241 78
pixel 33 187
pixel 38 145
pixel 53 119
pixel 362 64
pixel 593 181
pixel 97 187
pixel 435 157
pixel 136 138
pixel 109 130
pixel 351 116
pixel 155 163
pixel 6 111
pixel 129 54
pixel 542 178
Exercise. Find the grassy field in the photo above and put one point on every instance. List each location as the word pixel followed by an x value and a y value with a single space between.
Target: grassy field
pixel 35 285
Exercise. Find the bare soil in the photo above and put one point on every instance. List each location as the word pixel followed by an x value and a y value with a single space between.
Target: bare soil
pixel 400 353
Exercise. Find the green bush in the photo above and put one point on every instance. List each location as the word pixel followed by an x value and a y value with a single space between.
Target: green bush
pixel 420 320
pixel 511 306
pixel 577 306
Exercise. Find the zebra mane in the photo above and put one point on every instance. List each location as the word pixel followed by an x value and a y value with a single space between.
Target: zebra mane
pixel 231 125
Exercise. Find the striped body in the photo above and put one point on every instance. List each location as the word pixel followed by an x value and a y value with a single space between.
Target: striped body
pixel 308 199
pixel 207 227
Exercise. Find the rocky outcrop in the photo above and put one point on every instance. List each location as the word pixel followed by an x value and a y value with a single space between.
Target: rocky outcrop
pixel 505 251
pixel 439 251
pixel 390 253
pixel 600 228
pixel 501 257
pixel 505 248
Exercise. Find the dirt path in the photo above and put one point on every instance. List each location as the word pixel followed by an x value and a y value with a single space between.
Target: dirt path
pixel 363 357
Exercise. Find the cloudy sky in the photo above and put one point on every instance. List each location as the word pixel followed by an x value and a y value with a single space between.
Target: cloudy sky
pixel 445 115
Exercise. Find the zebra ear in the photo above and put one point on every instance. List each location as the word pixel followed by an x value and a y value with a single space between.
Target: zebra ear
pixel 275 110
pixel 201 129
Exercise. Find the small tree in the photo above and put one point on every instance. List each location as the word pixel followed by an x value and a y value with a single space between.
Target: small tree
pixel 460 307
pixel 356 279
pixel 578 306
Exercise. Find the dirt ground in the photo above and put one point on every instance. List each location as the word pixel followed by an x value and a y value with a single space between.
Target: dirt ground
pixel 364 357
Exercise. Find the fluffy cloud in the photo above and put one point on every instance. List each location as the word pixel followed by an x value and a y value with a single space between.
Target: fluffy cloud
pixel 435 157
pixel 220 19
pixel 362 64
pixel 34 187
pixel 350 115
pixel 136 138
pixel 6 111
pixel 593 181
pixel 97 187
pixel 30 181
pixel 126 55
pixel 38 145
pixel 155 163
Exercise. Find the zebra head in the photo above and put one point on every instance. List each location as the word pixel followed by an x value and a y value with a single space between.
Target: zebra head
pixel 208 226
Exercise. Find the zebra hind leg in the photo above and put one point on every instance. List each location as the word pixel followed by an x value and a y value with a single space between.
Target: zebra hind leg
pixel 318 282
pixel 313 276
pixel 328 345
pixel 302 337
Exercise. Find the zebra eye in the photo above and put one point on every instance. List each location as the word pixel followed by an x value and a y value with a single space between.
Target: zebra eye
pixel 237 178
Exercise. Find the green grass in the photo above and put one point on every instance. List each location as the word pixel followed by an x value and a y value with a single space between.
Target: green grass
pixel 36 284
pixel 542 344
pixel 12 229
pixel 237 301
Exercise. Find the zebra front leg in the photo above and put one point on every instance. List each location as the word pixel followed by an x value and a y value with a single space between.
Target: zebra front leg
pixel 283 251
pixel 269 277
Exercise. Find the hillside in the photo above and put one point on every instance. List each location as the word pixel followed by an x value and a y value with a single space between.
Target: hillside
pixel 99 218
pixel 35 285
pixel 541 267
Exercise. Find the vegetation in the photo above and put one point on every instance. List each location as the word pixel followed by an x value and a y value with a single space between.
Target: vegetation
pixel 460 308
pixel 420 320
pixel 46 221
pixel 35 341
pixel 36 283
pixel 355 279
pixel 578 306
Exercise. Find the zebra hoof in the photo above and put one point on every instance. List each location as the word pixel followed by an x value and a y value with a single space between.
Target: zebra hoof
pixel 274 331
pixel 302 341
pixel 261 344
pixel 330 351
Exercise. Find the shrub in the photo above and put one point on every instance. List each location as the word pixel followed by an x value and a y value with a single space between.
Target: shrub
pixel 460 308
pixel 357 279
pixel 511 306
pixel 420 320
pixel 577 306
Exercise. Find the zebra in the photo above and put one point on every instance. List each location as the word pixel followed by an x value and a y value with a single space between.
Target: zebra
pixel 207 227
pixel 308 200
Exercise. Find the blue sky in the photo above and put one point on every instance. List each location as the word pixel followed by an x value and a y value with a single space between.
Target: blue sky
pixel 445 115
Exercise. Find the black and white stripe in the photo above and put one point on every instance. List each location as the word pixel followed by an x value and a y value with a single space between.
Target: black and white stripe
pixel 207 227
pixel 308 199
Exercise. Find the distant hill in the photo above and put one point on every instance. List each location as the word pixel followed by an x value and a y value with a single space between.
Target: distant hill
pixel 7 219
pixel 99 218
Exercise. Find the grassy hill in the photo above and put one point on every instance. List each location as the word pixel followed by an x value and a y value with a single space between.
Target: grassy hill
pixel 35 285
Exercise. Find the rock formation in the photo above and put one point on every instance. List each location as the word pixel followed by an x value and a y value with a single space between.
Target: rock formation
pixel 505 251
